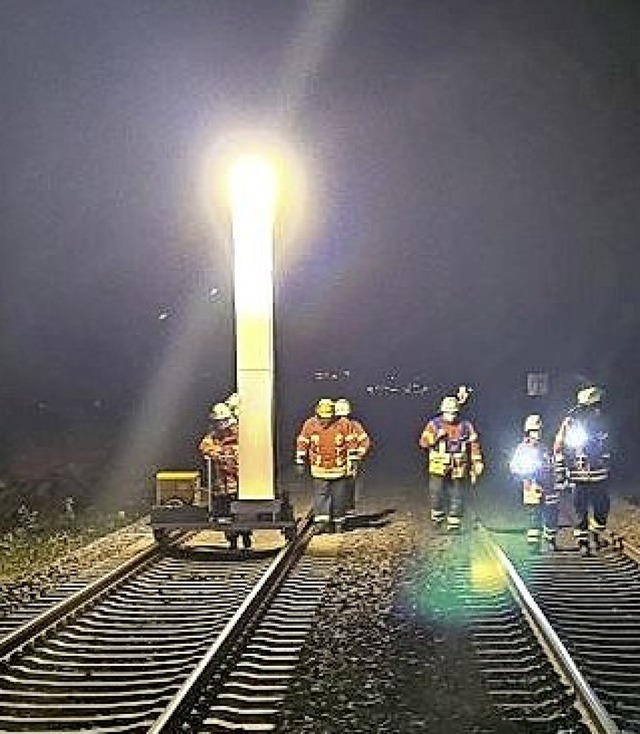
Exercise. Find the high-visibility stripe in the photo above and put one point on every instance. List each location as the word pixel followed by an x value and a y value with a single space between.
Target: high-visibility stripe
pixel 319 472
pixel 453 522
pixel 588 475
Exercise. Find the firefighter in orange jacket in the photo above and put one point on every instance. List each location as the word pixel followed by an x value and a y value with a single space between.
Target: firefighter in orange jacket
pixel 220 447
pixel 455 458
pixel 323 443
pixel 359 445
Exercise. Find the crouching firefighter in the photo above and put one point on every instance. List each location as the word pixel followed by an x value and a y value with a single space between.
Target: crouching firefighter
pixel 220 450
pixel 455 461
pixel 581 453
pixel 533 465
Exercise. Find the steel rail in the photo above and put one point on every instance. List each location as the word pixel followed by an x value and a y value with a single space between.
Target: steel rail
pixel 600 717
pixel 180 705
pixel 37 626
pixel 622 544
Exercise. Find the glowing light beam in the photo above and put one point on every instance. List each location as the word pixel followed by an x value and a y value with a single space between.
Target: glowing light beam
pixel 253 185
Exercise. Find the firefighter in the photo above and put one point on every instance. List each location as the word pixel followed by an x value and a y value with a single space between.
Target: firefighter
pixel 533 465
pixel 359 445
pixel 581 454
pixel 455 459
pixel 323 443
pixel 220 446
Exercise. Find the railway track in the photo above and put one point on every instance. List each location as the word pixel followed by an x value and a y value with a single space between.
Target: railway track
pixel 558 635
pixel 244 685
pixel 519 675
pixel 195 642
pixel 593 604
pixel 118 657
pixel 16 612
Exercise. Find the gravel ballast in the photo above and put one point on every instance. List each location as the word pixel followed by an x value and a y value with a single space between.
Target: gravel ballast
pixel 385 656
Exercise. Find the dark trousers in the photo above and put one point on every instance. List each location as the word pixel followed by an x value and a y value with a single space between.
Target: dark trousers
pixel 329 499
pixel 446 499
pixel 592 496
pixel 221 507
pixel 543 522
pixel 550 510
pixel 350 495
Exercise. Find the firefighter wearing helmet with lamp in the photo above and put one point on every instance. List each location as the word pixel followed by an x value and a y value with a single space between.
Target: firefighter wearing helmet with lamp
pixel 581 454
pixel 533 465
pixel 455 457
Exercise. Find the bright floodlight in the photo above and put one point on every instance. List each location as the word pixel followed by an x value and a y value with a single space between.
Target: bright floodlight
pixel 254 192
pixel 253 184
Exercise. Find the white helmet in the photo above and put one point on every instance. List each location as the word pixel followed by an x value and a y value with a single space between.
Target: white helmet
pixel 589 395
pixel 220 412
pixel 449 405
pixel 342 407
pixel 532 423
pixel 233 401
pixel 324 408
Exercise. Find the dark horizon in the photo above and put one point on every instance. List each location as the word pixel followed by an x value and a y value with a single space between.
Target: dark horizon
pixel 470 210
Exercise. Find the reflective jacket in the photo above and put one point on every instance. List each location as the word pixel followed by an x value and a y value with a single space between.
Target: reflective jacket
pixel 453 447
pixel 325 447
pixel 538 482
pixel 358 445
pixel 586 461
pixel 221 446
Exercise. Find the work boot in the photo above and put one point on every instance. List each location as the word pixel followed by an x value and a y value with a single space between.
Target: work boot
pixel 583 547
pixel 247 540
pixel 323 526
pixel 454 526
pixel 233 542
pixel 552 545
pixel 599 541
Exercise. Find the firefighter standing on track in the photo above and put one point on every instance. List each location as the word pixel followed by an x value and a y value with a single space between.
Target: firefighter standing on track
pixel 323 442
pixel 359 445
pixel 455 459
pixel 533 465
pixel 581 454
pixel 220 445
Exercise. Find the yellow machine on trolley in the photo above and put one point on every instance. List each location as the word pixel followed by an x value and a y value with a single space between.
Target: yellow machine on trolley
pixel 183 502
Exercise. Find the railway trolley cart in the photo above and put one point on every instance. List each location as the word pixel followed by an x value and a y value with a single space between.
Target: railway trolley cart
pixel 182 502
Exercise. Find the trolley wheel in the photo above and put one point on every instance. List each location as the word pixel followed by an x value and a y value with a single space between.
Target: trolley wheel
pixel 286 512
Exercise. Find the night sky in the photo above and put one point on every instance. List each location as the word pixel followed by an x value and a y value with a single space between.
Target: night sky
pixel 470 212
